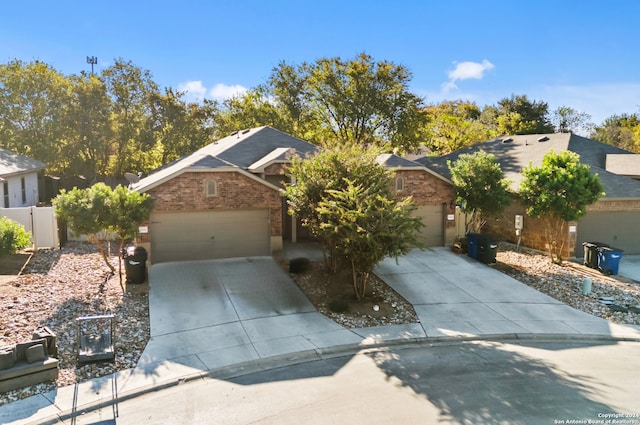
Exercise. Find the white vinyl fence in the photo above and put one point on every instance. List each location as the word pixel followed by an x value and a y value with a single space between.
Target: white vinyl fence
pixel 40 221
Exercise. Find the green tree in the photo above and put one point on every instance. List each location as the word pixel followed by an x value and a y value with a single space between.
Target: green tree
pixel 90 135
pixel 481 189
pixel 559 191
pixel 34 103
pixel 99 211
pixel 367 225
pixel 180 128
pixel 131 90
pixel 568 120
pixel 519 115
pixel 251 109
pixel 13 237
pixel 622 131
pixel 358 100
pixel 455 125
pixel 345 199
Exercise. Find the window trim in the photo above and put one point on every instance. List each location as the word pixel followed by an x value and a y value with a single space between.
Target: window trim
pixel 5 190
pixel 23 189
pixel 209 183
pixel 399 183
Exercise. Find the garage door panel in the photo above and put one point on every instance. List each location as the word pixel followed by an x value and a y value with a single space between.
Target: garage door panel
pixel 620 229
pixel 432 234
pixel 203 235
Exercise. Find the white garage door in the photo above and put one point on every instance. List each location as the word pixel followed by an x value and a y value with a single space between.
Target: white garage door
pixel 205 235
pixel 620 229
pixel 432 216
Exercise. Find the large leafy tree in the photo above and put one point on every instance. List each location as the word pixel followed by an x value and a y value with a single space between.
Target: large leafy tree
pixel 481 189
pixel 345 198
pixel 89 125
pixel 34 104
pixel 559 191
pixel 253 108
pixel 131 90
pixel 565 119
pixel 358 100
pixel 179 128
pixel 455 125
pixel 622 131
pixel 519 115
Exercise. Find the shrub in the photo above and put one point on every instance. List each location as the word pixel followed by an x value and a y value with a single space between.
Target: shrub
pixel 13 237
pixel 299 265
pixel 338 306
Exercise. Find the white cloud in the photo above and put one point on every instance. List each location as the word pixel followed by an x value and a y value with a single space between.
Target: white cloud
pixel 195 91
pixel 223 91
pixel 466 71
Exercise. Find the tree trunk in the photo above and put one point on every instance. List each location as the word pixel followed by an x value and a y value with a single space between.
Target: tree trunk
pixel 99 243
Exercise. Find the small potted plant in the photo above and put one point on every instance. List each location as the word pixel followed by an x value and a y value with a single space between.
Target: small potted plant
pixel 459 245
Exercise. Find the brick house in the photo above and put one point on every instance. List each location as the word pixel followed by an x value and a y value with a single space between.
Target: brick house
pixel 223 200
pixel 612 220
pixel 431 192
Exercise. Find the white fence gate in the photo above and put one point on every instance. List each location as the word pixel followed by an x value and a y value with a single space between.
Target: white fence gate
pixel 40 221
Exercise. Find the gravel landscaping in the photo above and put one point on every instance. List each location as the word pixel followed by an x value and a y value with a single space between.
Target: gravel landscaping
pixel 57 286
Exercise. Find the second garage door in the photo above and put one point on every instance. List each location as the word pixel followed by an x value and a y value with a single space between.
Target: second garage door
pixel 620 229
pixel 432 233
pixel 205 235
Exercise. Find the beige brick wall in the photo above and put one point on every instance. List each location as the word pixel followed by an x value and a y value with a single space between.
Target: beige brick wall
pixel 427 189
pixel 533 236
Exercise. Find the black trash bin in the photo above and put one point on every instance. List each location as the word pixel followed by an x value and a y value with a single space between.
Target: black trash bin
pixel 135 264
pixel 487 249
pixel 591 253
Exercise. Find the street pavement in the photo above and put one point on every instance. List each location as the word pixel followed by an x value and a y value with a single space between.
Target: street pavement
pixel 224 318
pixel 472 382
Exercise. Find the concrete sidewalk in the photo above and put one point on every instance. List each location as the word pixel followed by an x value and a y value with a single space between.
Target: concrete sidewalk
pixel 226 317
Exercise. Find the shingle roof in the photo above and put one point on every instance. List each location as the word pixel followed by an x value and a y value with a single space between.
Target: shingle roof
pixel 12 163
pixel 394 161
pixel 513 153
pixel 239 151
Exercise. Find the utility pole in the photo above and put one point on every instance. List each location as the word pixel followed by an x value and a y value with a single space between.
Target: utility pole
pixel 93 61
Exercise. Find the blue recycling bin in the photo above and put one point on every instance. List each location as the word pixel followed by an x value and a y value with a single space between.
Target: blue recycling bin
pixel 609 259
pixel 473 240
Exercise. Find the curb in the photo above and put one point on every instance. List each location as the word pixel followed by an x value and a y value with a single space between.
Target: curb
pixel 289 359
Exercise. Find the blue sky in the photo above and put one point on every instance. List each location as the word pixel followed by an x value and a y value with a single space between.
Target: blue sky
pixel 581 53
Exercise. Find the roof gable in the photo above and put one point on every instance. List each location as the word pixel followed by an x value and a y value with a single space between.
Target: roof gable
pixel 246 150
pixel 12 163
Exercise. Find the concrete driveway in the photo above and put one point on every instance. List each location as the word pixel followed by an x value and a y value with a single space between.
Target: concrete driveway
pixel 206 315
pixel 454 295
pixel 211 315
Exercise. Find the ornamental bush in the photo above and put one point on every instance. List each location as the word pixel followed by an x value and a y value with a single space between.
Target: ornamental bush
pixel 13 237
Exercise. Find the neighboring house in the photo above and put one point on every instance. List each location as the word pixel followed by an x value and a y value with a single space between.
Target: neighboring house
pixel 613 220
pixel 431 192
pixel 19 180
pixel 224 200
